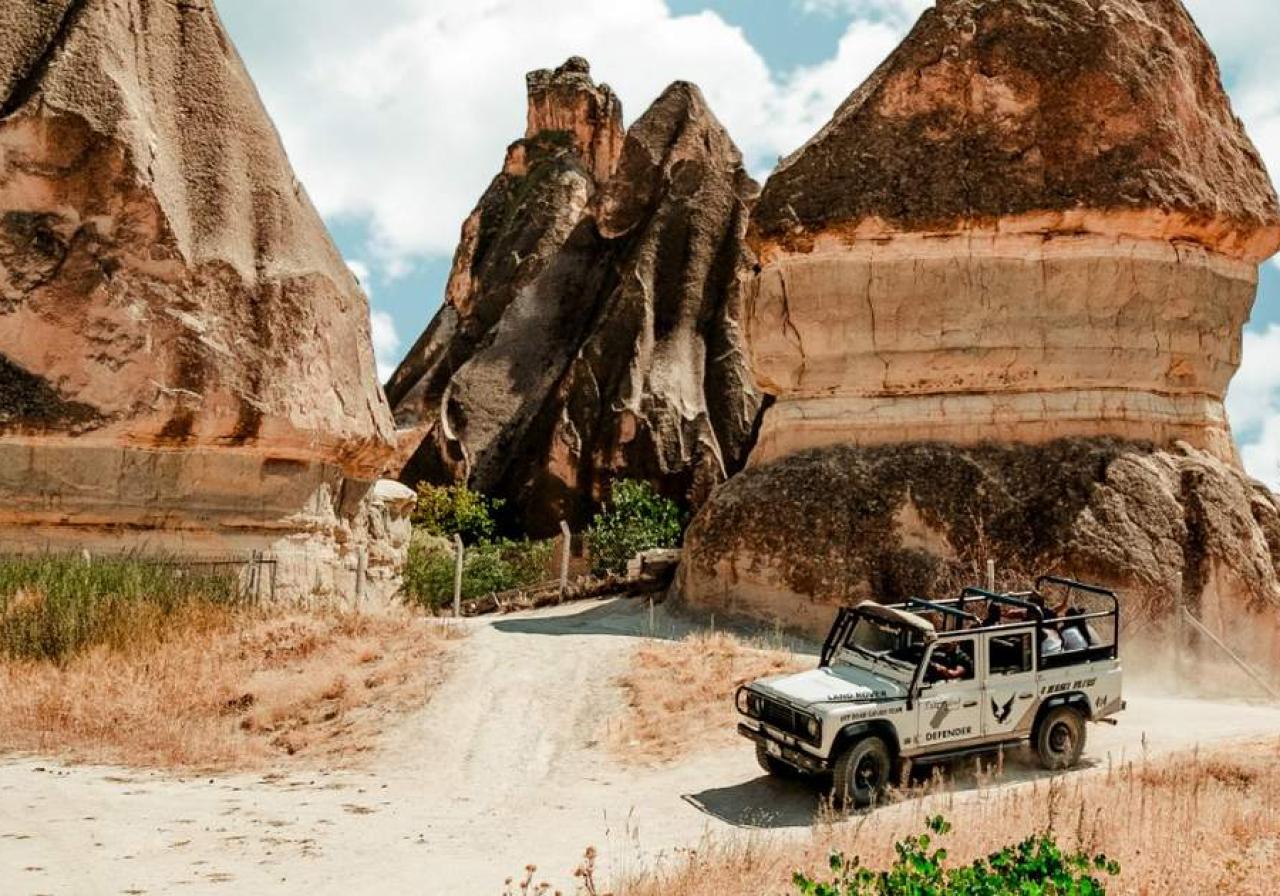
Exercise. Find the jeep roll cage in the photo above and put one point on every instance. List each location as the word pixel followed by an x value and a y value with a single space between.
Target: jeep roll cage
pixel 955 617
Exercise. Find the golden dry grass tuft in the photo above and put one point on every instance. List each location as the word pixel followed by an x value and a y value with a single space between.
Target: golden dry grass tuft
pixel 1190 823
pixel 679 694
pixel 224 689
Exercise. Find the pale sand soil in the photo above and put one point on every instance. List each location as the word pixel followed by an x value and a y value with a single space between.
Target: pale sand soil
pixel 504 767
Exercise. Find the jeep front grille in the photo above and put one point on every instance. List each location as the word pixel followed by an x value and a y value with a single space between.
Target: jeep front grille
pixel 783 717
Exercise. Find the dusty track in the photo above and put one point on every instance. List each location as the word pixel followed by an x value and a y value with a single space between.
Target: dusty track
pixel 500 770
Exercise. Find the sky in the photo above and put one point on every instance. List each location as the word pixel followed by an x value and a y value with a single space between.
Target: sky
pixel 396 115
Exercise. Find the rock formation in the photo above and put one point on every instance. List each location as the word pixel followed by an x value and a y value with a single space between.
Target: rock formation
pixel 590 328
pixel 185 361
pixel 1000 298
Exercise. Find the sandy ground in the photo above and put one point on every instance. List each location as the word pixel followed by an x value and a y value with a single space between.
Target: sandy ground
pixel 501 770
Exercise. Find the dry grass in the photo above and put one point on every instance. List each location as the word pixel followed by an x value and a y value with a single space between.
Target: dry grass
pixel 679 694
pixel 1186 824
pixel 226 689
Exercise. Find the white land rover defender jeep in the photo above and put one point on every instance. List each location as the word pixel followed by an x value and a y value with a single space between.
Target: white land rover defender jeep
pixel 927 681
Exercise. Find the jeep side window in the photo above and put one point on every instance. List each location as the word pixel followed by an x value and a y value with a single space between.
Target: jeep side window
pixel 1009 654
pixel 951 661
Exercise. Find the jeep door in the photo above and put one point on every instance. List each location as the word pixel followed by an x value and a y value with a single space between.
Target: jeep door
pixel 949 710
pixel 1009 702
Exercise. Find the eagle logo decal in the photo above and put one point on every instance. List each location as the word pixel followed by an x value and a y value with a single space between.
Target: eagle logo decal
pixel 1002 712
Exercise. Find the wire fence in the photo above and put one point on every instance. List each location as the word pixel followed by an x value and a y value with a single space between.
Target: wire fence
pixel 254 574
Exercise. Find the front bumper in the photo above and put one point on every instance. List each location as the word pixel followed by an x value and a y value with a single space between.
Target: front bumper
pixel 779 749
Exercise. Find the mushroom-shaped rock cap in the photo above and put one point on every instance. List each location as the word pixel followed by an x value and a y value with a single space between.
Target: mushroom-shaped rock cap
pixel 163 275
pixel 997 108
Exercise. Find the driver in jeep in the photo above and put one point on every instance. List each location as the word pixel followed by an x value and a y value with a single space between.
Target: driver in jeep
pixel 949 663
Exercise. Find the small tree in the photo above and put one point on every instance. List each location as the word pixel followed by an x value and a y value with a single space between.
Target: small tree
pixel 635 519
pixel 448 510
pixel 487 567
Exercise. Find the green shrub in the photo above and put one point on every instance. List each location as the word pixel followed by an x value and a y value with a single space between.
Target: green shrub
pixel 450 510
pixel 1035 867
pixel 636 519
pixel 487 567
pixel 55 605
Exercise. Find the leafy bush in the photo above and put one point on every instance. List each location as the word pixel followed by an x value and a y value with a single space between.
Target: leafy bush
pixel 55 605
pixel 487 567
pixel 450 510
pixel 636 519
pixel 1035 867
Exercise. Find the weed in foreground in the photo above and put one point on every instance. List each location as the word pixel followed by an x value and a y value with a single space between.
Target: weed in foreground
pixel 1192 822
pixel 1037 865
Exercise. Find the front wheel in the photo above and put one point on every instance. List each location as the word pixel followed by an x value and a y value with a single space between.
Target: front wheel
pixel 860 777
pixel 1060 738
pixel 771 765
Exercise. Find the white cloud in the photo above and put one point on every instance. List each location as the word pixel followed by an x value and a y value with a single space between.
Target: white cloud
pixel 1262 456
pixel 401 116
pixel 382 327
pixel 361 270
pixel 902 11
pixel 1253 404
pixel 1253 398
pixel 386 343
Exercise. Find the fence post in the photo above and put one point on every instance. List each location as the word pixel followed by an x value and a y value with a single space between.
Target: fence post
pixel 252 588
pixel 457 576
pixel 362 569
pixel 991 576
pixel 1199 626
pixel 566 546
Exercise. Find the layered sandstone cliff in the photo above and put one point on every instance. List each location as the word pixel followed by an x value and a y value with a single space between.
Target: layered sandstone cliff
pixel 591 323
pixel 1036 218
pixel 999 302
pixel 185 361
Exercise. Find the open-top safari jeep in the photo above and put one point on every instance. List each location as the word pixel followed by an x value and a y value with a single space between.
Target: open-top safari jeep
pixel 925 681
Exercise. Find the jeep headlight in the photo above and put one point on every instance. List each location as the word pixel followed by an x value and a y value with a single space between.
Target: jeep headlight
pixel 744 702
pixel 814 727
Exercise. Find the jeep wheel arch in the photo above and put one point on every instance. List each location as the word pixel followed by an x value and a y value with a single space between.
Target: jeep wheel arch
pixel 881 728
pixel 1075 700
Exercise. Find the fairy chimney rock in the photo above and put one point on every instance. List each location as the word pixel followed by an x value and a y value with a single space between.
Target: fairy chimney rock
pixel 1036 219
pixel 1000 298
pixel 185 359
pixel 591 324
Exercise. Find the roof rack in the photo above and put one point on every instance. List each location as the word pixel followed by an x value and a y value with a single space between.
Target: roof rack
pixel 1006 599
pixel 958 614
pixel 1073 585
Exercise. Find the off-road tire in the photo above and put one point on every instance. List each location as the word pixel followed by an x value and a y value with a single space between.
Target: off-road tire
pixel 1060 738
pixel 774 766
pixel 862 774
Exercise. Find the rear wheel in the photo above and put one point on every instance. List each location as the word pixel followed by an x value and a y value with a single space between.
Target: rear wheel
pixel 1060 738
pixel 772 765
pixel 860 777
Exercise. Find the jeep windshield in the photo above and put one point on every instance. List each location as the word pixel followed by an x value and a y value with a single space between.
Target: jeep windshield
pixel 882 646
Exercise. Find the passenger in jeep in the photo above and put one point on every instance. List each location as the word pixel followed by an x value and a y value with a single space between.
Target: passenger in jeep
pixel 1076 634
pixel 949 663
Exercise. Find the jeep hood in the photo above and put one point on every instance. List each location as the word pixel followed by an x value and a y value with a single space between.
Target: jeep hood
pixel 839 684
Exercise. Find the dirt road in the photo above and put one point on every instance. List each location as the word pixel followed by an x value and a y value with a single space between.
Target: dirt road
pixel 499 771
